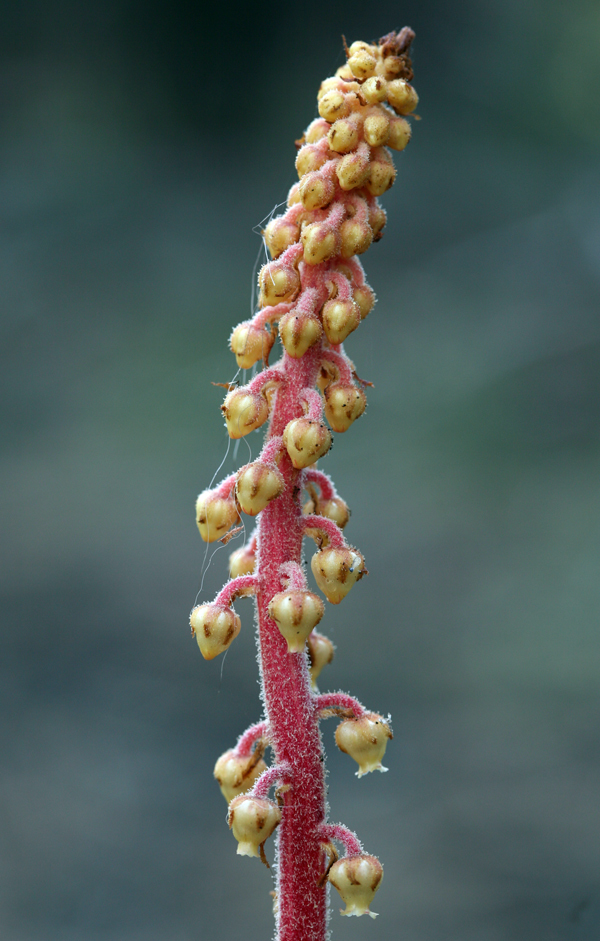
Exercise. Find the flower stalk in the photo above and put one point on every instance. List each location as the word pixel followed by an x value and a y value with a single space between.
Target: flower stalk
pixel 314 295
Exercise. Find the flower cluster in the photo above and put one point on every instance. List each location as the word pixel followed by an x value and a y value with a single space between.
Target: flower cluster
pixel 313 295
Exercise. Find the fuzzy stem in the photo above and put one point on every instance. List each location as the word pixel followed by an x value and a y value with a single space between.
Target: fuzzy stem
pixel 269 778
pixel 292 576
pixel 274 374
pixel 339 701
pixel 269 314
pixel 271 450
pixel 236 588
pixel 225 487
pixel 335 831
pixel 331 532
pixel 340 361
pixel 342 284
pixel 248 739
pixel 314 403
pixel 323 481
pixel 288 699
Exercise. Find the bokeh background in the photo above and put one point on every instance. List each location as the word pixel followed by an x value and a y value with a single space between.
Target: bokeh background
pixel 140 146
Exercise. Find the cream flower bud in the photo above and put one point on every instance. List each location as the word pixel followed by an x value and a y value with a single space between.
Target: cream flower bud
pixel 236 774
pixel 336 570
pixel 279 234
pixel 377 221
pixel 328 84
pixel 252 820
pixel 392 66
pixel 309 159
pixel 335 510
pixel 344 73
pixel 361 46
pixel 352 171
pixel 364 298
pixel 320 242
pixel 376 129
pixel 306 441
pixel 215 515
pixel 277 282
pixel 333 105
pixel 250 344
pixel 400 132
pixel 242 562
pixel 402 96
pixel 344 403
pixel 362 64
pixel 382 173
pixel 344 135
pixel 316 131
pixel 364 739
pixel 295 614
pixel 374 90
pixel 357 879
pixel 298 332
pixel 214 627
pixel 340 318
pixel 316 191
pixel 355 237
pixel 244 411
pixel 320 652
pixel 257 484
pixel 294 195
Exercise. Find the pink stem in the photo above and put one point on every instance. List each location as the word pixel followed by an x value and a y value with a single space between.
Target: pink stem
pixel 294 212
pixel 308 301
pixel 336 214
pixel 339 701
pixel 335 831
pixel 363 150
pixel 323 482
pixel 274 374
pixel 358 272
pixel 362 208
pixel 271 450
pixel 268 314
pixel 328 169
pixel 343 285
pixel 329 529
pixel 273 775
pixel 225 487
pixel 288 699
pixel 293 575
pixel 244 585
pixel 314 402
pixel 341 363
pixel 248 739
pixel 292 255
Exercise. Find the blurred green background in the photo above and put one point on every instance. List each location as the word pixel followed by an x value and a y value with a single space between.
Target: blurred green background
pixel 140 144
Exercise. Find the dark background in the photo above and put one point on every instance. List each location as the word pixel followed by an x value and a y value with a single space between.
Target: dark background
pixel 140 144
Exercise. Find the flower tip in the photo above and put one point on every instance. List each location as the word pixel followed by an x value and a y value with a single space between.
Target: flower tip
pixel 365 911
pixel 363 771
pixel 247 849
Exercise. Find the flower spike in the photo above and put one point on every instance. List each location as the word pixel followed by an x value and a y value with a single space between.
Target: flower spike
pixel 312 298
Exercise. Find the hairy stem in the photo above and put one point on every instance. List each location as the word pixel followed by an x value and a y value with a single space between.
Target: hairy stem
pixel 288 700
